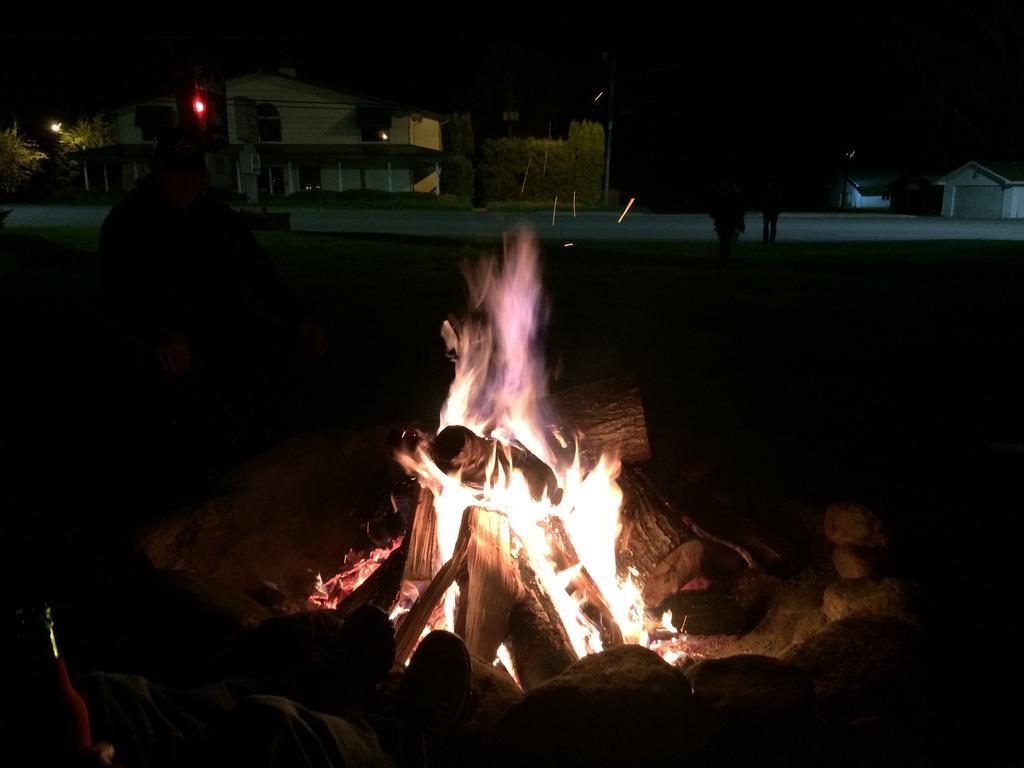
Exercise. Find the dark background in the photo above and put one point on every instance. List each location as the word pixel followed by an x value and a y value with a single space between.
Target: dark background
pixel 751 90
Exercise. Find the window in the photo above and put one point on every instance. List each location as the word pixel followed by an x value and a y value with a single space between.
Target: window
pixel 309 178
pixel 376 134
pixel 151 119
pixel 374 123
pixel 270 122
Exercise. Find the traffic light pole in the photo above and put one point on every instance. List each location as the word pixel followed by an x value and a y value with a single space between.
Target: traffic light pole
pixel 608 138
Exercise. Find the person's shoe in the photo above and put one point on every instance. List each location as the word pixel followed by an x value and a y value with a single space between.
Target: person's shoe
pixel 438 680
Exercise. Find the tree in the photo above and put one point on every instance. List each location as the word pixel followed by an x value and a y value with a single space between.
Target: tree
pixel 89 133
pixel 86 133
pixel 19 159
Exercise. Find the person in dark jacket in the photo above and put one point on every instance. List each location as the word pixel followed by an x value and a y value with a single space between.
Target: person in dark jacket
pixel 727 213
pixel 214 333
pixel 771 207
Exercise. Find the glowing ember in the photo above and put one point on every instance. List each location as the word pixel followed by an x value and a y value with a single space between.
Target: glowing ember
pixel 628 206
pixel 327 594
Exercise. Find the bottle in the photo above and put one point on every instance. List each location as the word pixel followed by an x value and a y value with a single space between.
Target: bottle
pixel 50 715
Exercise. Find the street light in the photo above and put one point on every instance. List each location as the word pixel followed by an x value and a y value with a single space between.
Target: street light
pixel 55 127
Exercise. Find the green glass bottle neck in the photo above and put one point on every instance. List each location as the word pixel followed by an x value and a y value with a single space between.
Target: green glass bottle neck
pixel 34 627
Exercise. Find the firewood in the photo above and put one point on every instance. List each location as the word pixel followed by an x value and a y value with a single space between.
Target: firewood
pixel 424 557
pixel 408 634
pixel 565 556
pixel 457 449
pixel 714 520
pixel 489 584
pixel 608 415
pixel 537 641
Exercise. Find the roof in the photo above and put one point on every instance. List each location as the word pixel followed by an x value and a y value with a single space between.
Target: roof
pixel 336 90
pixel 364 153
pixel 336 152
pixel 1006 171
pixel 873 183
pixel 260 74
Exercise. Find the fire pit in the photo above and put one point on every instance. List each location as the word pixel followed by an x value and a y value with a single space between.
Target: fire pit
pixel 533 535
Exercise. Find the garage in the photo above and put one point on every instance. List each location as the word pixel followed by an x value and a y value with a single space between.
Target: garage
pixel 984 191
pixel 978 202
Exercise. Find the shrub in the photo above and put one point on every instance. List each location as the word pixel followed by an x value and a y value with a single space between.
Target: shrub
pixel 457 176
pixel 528 169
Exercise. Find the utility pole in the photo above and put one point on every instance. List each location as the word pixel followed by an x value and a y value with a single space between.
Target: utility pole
pixel 608 138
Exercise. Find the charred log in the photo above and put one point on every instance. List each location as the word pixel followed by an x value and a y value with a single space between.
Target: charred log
pixel 565 556
pixel 712 519
pixel 537 641
pixel 608 415
pixel 457 449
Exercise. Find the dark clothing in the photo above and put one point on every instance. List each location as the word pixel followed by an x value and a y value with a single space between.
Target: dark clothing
pixel 197 275
pixel 226 724
pixel 771 206
pixel 727 213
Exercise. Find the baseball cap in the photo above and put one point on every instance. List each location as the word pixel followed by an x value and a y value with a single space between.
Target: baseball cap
pixel 179 148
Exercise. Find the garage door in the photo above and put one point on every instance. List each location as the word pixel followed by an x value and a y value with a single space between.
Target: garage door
pixel 978 202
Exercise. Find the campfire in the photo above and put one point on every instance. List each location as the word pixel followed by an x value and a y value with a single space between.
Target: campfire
pixel 532 531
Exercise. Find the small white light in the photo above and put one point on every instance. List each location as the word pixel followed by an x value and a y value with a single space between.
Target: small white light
pixel 384 135
pixel 55 127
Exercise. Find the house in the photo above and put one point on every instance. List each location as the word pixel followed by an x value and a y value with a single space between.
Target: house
pixel 918 194
pixel 863 189
pixel 286 135
pixel 984 190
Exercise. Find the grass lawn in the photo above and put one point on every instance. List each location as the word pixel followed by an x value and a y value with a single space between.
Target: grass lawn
pixel 878 372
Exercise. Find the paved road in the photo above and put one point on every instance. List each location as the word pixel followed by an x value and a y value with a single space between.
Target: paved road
pixel 793 227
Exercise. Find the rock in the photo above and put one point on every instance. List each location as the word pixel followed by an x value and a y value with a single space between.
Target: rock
pixel 693 559
pixel 847 523
pixel 471 743
pixel 854 562
pixel 710 613
pixel 743 683
pixel 758 710
pixel 285 516
pixel 863 666
pixel 868 597
pixel 793 614
pixel 624 706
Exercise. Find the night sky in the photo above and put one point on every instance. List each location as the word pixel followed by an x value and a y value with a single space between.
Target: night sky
pixel 753 91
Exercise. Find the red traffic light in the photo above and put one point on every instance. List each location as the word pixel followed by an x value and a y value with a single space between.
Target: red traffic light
pixel 199 106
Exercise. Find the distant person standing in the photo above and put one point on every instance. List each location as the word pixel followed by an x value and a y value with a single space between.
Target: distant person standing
pixel 771 206
pixel 727 213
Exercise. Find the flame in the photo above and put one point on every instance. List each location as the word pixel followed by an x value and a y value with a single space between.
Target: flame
pixel 328 594
pixel 497 391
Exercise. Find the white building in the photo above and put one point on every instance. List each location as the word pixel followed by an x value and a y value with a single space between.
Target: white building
pixel 990 190
pixel 863 189
pixel 288 135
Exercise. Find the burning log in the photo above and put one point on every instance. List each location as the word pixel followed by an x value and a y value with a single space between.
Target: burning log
pixel 665 545
pixel 537 641
pixel 408 633
pixel 489 585
pixel 607 414
pixel 424 557
pixel 565 557
pixel 457 449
